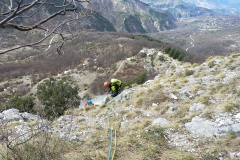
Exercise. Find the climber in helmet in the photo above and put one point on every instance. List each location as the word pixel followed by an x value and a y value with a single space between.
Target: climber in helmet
pixel 114 86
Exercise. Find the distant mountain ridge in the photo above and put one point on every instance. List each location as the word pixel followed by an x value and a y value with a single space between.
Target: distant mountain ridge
pixel 221 6
pixel 132 16
pixel 180 9
pixel 187 8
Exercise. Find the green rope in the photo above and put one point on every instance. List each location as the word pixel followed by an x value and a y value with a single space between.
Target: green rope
pixel 110 147
pixel 109 122
pixel 109 126
pixel 111 136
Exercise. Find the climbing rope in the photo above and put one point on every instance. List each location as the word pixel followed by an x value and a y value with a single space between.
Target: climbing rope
pixel 111 137
pixel 110 147
pixel 115 144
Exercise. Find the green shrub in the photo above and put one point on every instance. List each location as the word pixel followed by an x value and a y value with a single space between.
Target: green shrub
pixel 161 58
pixel 45 147
pixel 152 61
pixel 175 53
pixel 140 78
pixel 22 103
pixel 238 93
pixel 7 84
pixel 189 72
pixel 57 96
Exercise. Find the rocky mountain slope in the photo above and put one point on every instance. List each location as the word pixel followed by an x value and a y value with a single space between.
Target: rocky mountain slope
pixel 188 111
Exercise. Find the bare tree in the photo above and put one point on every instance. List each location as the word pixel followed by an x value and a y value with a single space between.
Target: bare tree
pixel 30 15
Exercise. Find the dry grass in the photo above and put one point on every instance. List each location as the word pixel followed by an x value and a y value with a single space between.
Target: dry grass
pixel 208 114
pixel 204 99
pixel 156 86
pixel 220 76
pixel 127 103
pixel 230 142
pixel 235 55
pixel 195 88
pixel 188 117
pixel 141 144
pixel 163 108
pixel 177 155
pixel 151 96
pixel 181 112
pixel 132 114
pixel 33 123
pixel 231 106
pixel 11 125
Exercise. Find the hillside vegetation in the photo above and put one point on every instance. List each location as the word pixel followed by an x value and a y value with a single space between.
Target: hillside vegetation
pixel 107 48
pixel 175 102
pixel 187 111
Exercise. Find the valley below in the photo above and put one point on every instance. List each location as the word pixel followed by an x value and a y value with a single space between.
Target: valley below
pixel 205 35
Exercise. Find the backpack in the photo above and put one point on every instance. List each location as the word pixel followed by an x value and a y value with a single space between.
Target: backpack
pixel 117 82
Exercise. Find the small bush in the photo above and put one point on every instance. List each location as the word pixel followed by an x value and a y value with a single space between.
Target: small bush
pixel 204 99
pixel 238 93
pixel 161 58
pixel 23 104
pixel 140 78
pixel 189 72
pixel 152 61
pixel 7 84
pixel 1 88
pixel 156 136
pixel 228 107
pixel 57 96
pixel 43 148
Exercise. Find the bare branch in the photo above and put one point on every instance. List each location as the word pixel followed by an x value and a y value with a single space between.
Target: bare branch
pixel 38 42
pixel 26 16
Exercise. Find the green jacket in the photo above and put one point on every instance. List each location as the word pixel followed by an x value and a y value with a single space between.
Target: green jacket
pixel 115 86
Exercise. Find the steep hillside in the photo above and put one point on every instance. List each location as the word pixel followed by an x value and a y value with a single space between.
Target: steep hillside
pixel 132 16
pixel 188 111
pixel 86 19
pixel 206 36
pixel 107 48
